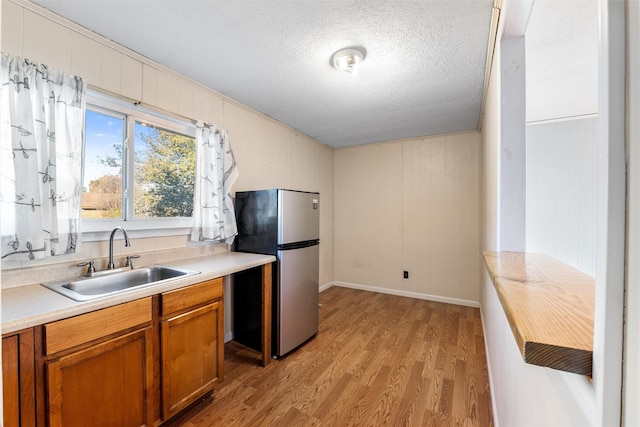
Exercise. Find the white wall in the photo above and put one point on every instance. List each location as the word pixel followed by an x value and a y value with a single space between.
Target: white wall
pixel 268 153
pixel 562 190
pixel 512 161
pixel 491 138
pixel 557 31
pixel 562 106
pixel 522 394
pixel 631 409
pixel 410 205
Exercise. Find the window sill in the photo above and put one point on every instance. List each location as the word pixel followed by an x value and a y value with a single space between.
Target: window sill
pixel 549 306
pixel 98 230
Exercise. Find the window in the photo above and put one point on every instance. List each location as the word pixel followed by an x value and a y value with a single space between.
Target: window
pixel 139 167
pixel 164 172
pixel 102 187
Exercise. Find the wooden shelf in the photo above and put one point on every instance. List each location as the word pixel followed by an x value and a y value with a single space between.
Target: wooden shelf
pixel 549 306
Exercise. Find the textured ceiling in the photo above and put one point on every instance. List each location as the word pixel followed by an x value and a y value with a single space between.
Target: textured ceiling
pixel 423 74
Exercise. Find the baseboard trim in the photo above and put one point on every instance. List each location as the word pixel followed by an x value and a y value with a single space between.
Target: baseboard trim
pixel 326 286
pixel 467 303
pixel 397 292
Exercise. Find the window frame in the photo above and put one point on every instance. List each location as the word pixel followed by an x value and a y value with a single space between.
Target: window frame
pixel 94 229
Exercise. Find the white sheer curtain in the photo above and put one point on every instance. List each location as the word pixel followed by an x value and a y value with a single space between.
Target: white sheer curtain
pixel 216 171
pixel 41 146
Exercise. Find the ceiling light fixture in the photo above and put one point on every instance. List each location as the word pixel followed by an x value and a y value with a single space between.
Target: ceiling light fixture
pixel 348 59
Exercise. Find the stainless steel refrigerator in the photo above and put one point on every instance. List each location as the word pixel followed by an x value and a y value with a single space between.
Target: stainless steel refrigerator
pixel 286 224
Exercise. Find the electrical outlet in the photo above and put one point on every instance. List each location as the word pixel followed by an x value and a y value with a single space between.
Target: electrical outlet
pixel 406 274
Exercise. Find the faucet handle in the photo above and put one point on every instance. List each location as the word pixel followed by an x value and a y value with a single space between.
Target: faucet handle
pixel 91 269
pixel 129 258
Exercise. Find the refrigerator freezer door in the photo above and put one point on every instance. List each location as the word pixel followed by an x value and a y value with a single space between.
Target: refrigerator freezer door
pixel 299 216
pixel 257 216
pixel 297 298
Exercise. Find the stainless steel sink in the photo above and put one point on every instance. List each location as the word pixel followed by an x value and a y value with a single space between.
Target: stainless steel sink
pixel 88 288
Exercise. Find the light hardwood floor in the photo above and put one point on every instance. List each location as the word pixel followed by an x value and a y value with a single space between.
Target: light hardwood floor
pixel 378 360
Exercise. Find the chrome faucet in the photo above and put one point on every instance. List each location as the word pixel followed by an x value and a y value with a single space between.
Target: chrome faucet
pixel 110 265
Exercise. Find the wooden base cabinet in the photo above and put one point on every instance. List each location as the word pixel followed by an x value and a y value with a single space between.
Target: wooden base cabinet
pixel 18 381
pixel 99 367
pixel 133 364
pixel 109 378
pixel 11 381
pixel 192 344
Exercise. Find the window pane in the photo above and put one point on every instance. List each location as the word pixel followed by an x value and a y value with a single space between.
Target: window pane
pixel 102 192
pixel 164 172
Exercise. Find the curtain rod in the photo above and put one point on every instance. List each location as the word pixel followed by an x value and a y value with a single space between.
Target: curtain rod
pixel 142 104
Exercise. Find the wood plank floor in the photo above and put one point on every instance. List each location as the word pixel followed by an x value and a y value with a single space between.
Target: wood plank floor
pixel 378 360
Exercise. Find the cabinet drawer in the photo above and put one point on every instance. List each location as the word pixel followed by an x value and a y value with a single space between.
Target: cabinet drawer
pixel 68 333
pixel 190 296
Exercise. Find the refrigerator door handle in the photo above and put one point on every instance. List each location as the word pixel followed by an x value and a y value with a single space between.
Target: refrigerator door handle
pixel 298 245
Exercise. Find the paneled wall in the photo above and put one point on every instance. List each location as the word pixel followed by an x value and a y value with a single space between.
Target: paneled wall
pixel 410 205
pixel 562 190
pixel 279 157
pixel 368 215
pixel 268 153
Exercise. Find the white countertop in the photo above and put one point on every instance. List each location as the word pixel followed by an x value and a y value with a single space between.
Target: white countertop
pixel 31 305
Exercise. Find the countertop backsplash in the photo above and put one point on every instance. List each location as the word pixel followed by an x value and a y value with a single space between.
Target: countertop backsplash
pixel 13 277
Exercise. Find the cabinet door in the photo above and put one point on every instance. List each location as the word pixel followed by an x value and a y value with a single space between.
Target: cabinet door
pixel 18 379
pixel 192 356
pixel 10 381
pixel 104 385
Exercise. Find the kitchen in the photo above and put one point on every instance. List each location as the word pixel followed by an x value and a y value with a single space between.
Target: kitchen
pixel 350 255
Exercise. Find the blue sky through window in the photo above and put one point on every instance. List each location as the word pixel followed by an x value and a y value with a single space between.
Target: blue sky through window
pixel 102 133
pixel 105 133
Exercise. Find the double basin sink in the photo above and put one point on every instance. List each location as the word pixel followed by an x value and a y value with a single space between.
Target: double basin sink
pixel 116 282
